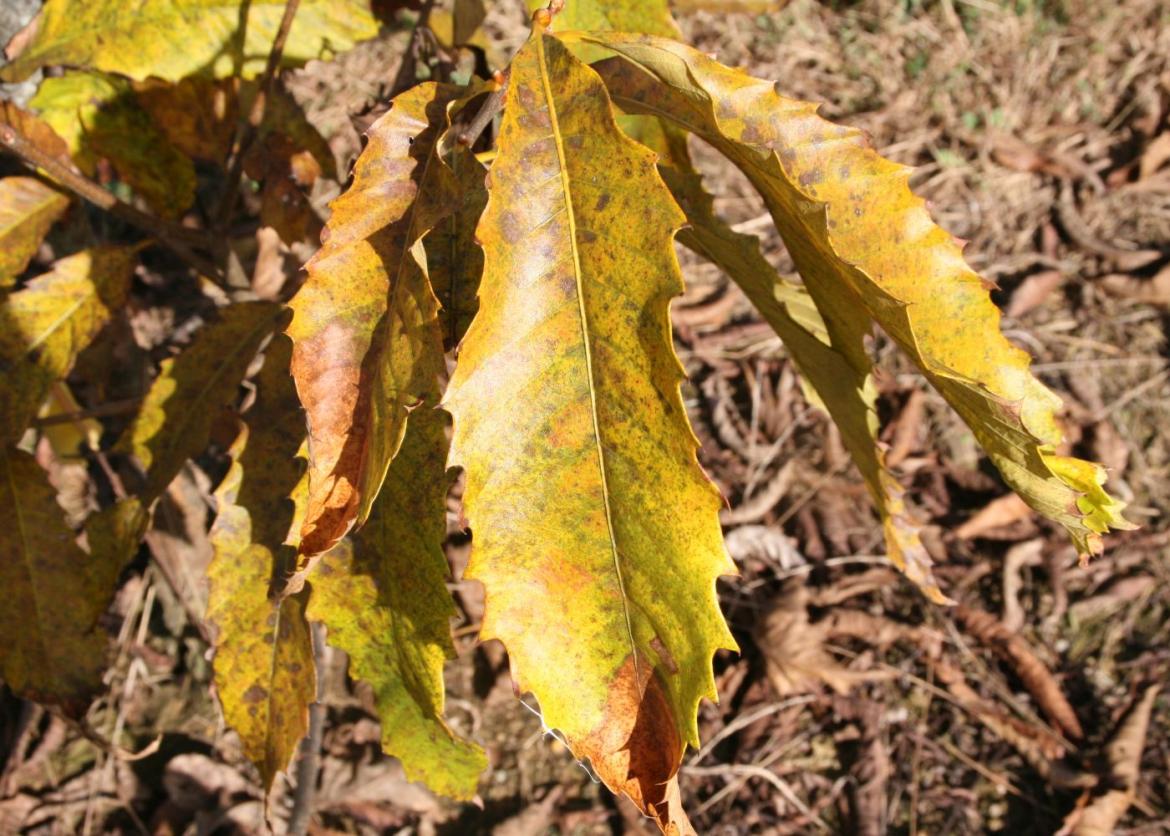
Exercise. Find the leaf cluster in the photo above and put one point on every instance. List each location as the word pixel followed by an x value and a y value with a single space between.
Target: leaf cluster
pixel 498 304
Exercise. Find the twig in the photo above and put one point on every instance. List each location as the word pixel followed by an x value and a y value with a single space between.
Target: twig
pixel 492 105
pixel 1131 395
pixel 406 70
pixel 754 771
pixel 168 234
pixel 745 720
pixel 308 757
pixel 102 410
pixel 245 135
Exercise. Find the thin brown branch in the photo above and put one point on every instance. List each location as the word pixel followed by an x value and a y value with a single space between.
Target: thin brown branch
pixel 308 757
pixel 122 407
pixel 246 130
pixel 492 105
pixel 168 234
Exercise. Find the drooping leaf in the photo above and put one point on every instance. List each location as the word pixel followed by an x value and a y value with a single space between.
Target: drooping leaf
pixel 171 39
pixel 596 534
pixel 366 335
pixel 45 324
pixel 842 382
pixel 382 595
pixel 174 422
pixel 868 251
pixel 27 209
pixel 264 672
pixel 51 593
pixel 98 117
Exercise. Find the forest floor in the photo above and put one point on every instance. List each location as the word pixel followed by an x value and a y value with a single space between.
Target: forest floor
pixel 1040 133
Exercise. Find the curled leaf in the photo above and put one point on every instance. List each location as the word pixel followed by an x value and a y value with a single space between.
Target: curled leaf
pixel 366 335
pixel 1124 757
pixel 1039 681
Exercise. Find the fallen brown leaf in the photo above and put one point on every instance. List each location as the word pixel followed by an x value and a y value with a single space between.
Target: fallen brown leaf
pixel 1155 291
pixel 999 512
pixel 1039 750
pixel 764 543
pixel 533 820
pixel 1027 553
pixel 907 429
pixel 1041 684
pixel 797 661
pixel 759 505
pixel 1033 291
pixel 863 752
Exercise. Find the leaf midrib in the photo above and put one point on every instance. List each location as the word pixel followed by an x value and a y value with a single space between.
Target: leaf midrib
pixel 12 223
pixel 48 331
pixel 578 278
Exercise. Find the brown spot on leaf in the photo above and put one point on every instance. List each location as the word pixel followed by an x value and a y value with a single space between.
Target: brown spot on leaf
pixel 811 177
pixel 644 765
pixel 255 694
